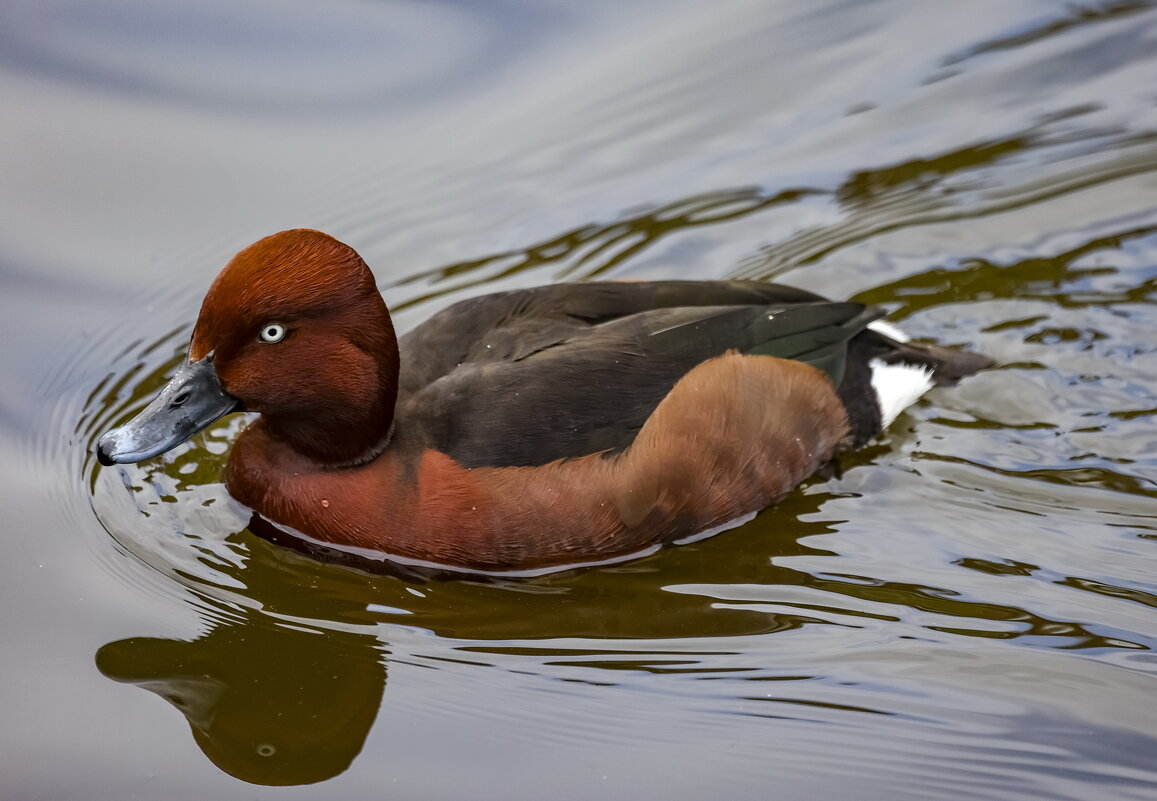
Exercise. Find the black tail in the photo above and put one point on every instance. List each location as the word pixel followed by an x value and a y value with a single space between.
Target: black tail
pixel 946 366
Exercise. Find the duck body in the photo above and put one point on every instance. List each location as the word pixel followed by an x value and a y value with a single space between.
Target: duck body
pixel 524 430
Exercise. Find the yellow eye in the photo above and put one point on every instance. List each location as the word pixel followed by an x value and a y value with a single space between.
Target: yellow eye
pixel 274 332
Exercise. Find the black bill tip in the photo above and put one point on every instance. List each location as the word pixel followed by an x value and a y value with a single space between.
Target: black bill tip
pixel 103 455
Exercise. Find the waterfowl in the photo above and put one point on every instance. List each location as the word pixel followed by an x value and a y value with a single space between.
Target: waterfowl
pixel 523 430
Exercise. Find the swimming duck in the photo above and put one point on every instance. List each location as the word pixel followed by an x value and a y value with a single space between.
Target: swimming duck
pixel 530 429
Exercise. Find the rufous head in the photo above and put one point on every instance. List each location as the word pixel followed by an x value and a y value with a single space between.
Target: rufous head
pixel 294 328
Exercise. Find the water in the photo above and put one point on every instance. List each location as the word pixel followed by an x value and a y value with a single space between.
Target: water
pixel 966 612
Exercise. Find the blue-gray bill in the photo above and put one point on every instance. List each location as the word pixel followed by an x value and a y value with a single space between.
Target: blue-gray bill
pixel 191 401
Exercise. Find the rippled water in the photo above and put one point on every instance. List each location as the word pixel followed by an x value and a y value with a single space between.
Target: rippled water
pixel 968 611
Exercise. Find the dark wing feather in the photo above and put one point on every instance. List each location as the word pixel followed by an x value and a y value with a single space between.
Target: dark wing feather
pixel 815 333
pixel 512 325
pixel 545 375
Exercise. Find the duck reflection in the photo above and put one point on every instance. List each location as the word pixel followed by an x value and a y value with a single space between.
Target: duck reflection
pixel 274 703
pixel 288 682
pixel 278 703
pixel 267 703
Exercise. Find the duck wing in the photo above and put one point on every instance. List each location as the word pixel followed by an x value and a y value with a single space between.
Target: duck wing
pixel 580 373
pixel 505 326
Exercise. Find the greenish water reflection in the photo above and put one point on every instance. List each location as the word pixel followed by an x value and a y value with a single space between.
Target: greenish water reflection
pixel 267 703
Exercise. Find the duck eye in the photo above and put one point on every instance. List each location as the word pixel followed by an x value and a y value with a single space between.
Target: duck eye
pixel 274 332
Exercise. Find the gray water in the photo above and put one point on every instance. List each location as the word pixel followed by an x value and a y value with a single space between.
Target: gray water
pixel 968 611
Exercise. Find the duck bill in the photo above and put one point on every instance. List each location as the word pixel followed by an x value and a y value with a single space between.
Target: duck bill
pixel 191 401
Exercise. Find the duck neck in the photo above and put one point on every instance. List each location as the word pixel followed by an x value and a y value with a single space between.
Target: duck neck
pixel 333 445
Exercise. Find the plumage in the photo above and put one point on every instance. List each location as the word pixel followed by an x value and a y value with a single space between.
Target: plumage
pixel 530 429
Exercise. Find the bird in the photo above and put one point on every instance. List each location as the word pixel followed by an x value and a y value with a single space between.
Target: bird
pixel 523 431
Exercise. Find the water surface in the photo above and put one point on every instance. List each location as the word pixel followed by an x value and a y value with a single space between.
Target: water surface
pixel 967 611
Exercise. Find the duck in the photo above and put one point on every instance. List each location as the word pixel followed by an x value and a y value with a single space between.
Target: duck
pixel 529 430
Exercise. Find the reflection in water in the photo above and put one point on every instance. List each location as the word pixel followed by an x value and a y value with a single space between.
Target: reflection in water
pixel 267 703
pixel 286 694
pixel 285 686
pixel 956 186
pixel 1061 279
pixel 952 186
pixel 1075 16
pixel 592 250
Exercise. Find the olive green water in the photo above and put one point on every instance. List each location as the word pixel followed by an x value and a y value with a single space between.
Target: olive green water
pixel 968 611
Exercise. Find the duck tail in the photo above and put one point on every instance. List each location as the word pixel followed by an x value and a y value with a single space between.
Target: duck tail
pixel 887 372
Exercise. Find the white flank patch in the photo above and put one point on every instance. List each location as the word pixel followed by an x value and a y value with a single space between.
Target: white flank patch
pixel 897 387
pixel 890 331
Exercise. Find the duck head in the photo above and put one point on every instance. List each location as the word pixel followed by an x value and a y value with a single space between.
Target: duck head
pixel 293 328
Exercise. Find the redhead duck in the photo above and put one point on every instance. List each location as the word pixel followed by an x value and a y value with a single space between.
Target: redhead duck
pixel 523 430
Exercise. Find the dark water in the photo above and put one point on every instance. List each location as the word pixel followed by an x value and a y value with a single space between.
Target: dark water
pixel 969 611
